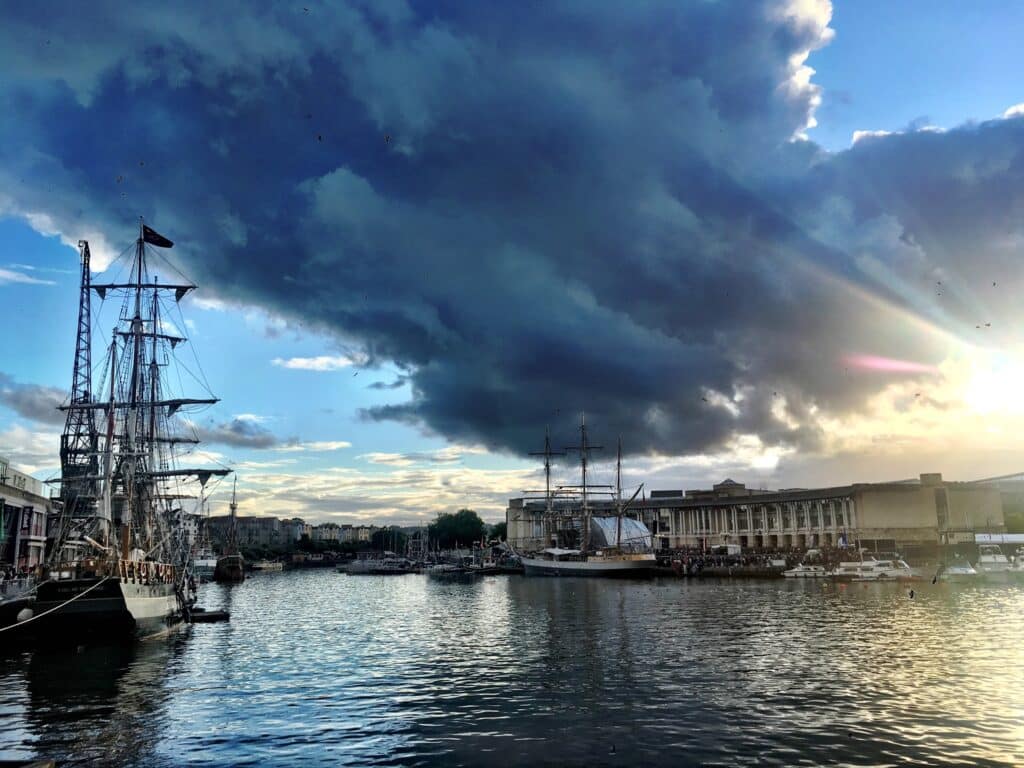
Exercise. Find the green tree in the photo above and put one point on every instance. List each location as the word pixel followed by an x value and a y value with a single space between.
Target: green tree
pixel 388 538
pixel 461 529
pixel 499 531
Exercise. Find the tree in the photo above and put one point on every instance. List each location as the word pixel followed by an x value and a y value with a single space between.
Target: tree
pixel 388 538
pixel 499 531
pixel 461 529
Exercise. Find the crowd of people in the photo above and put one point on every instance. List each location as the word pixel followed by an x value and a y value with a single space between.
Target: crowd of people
pixel 14 580
pixel 694 561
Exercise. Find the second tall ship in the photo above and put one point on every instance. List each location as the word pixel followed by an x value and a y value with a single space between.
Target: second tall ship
pixel 584 543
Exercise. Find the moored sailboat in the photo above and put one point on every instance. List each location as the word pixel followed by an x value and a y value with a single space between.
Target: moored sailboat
pixel 231 565
pixel 604 545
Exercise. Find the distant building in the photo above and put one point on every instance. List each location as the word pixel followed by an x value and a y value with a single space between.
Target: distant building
pixel 327 532
pixel 192 525
pixel 252 531
pixel 24 511
pixel 882 516
pixel 296 528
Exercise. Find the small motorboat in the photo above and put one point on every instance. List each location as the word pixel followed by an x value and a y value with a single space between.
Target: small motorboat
pixel 383 566
pixel 992 564
pixel 268 565
pixel 451 571
pixel 1016 570
pixel 960 571
pixel 805 571
pixel 867 569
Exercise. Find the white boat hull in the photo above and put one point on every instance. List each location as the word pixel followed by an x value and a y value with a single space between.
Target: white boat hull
pixel 640 565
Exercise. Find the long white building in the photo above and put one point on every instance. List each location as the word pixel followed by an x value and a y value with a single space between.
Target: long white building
pixel 915 513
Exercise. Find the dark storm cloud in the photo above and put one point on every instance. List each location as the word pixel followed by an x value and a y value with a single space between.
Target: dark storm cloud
pixel 32 401
pixel 536 213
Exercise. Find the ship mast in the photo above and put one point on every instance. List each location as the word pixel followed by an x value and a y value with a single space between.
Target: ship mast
pixel 232 542
pixel 584 448
pixel 618 494
pixel 549 505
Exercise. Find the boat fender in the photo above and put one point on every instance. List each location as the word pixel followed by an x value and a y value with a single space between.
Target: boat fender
pixel 24 615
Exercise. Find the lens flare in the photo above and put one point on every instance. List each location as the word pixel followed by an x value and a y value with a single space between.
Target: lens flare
pixel 887 364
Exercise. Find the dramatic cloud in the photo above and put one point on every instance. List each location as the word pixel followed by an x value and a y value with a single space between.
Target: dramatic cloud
pixel 243 431
pixel 319 363
pixel 32 401
pixel 585 207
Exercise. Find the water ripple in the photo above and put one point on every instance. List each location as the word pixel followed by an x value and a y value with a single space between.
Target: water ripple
pixel 321 668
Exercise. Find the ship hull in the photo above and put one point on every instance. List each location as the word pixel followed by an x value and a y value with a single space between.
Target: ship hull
pixel 230 570
pixel 631 569
pixel 72 609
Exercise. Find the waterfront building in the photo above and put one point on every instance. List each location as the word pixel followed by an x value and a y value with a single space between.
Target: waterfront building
pixel 250 531
pixel 327 532
pixel 24 511
pixel 924 513
pixel 296 528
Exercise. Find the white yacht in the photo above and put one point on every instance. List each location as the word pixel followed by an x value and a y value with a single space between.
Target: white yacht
pixel 959 572
pixel 204 563
pixel 901 571
pixel 1017 566
pixel 992 564
pixel 867 569
pixel 805 571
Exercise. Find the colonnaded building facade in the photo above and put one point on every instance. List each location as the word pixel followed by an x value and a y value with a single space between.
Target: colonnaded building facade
pixel 921 513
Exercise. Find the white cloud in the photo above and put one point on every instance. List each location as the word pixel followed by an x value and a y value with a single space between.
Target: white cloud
pixel 101 254
pixel 316 445
pixel 1017 110
pixel 319 363
pixel 30 451
pixel 448 455
pixel 860 135
pixel 254 417
pixel 10 276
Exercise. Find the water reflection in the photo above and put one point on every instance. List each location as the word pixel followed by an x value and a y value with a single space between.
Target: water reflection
pixel 90 705
pixel 328 669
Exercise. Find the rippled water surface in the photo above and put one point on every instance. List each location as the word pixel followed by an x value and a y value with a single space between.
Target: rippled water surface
pixel 320 668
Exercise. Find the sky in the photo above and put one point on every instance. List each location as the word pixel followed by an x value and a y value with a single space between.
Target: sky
pixel 774 241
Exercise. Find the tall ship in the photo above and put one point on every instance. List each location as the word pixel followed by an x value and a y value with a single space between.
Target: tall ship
pixel 118 555
pixel 230 567
pixel 584 543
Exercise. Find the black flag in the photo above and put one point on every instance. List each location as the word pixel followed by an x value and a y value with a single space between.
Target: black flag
pixel 155 238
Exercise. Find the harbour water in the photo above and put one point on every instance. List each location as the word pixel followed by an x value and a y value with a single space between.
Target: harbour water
pixel 320 668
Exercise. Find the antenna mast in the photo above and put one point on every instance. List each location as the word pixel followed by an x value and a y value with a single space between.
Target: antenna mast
pixel 79 441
